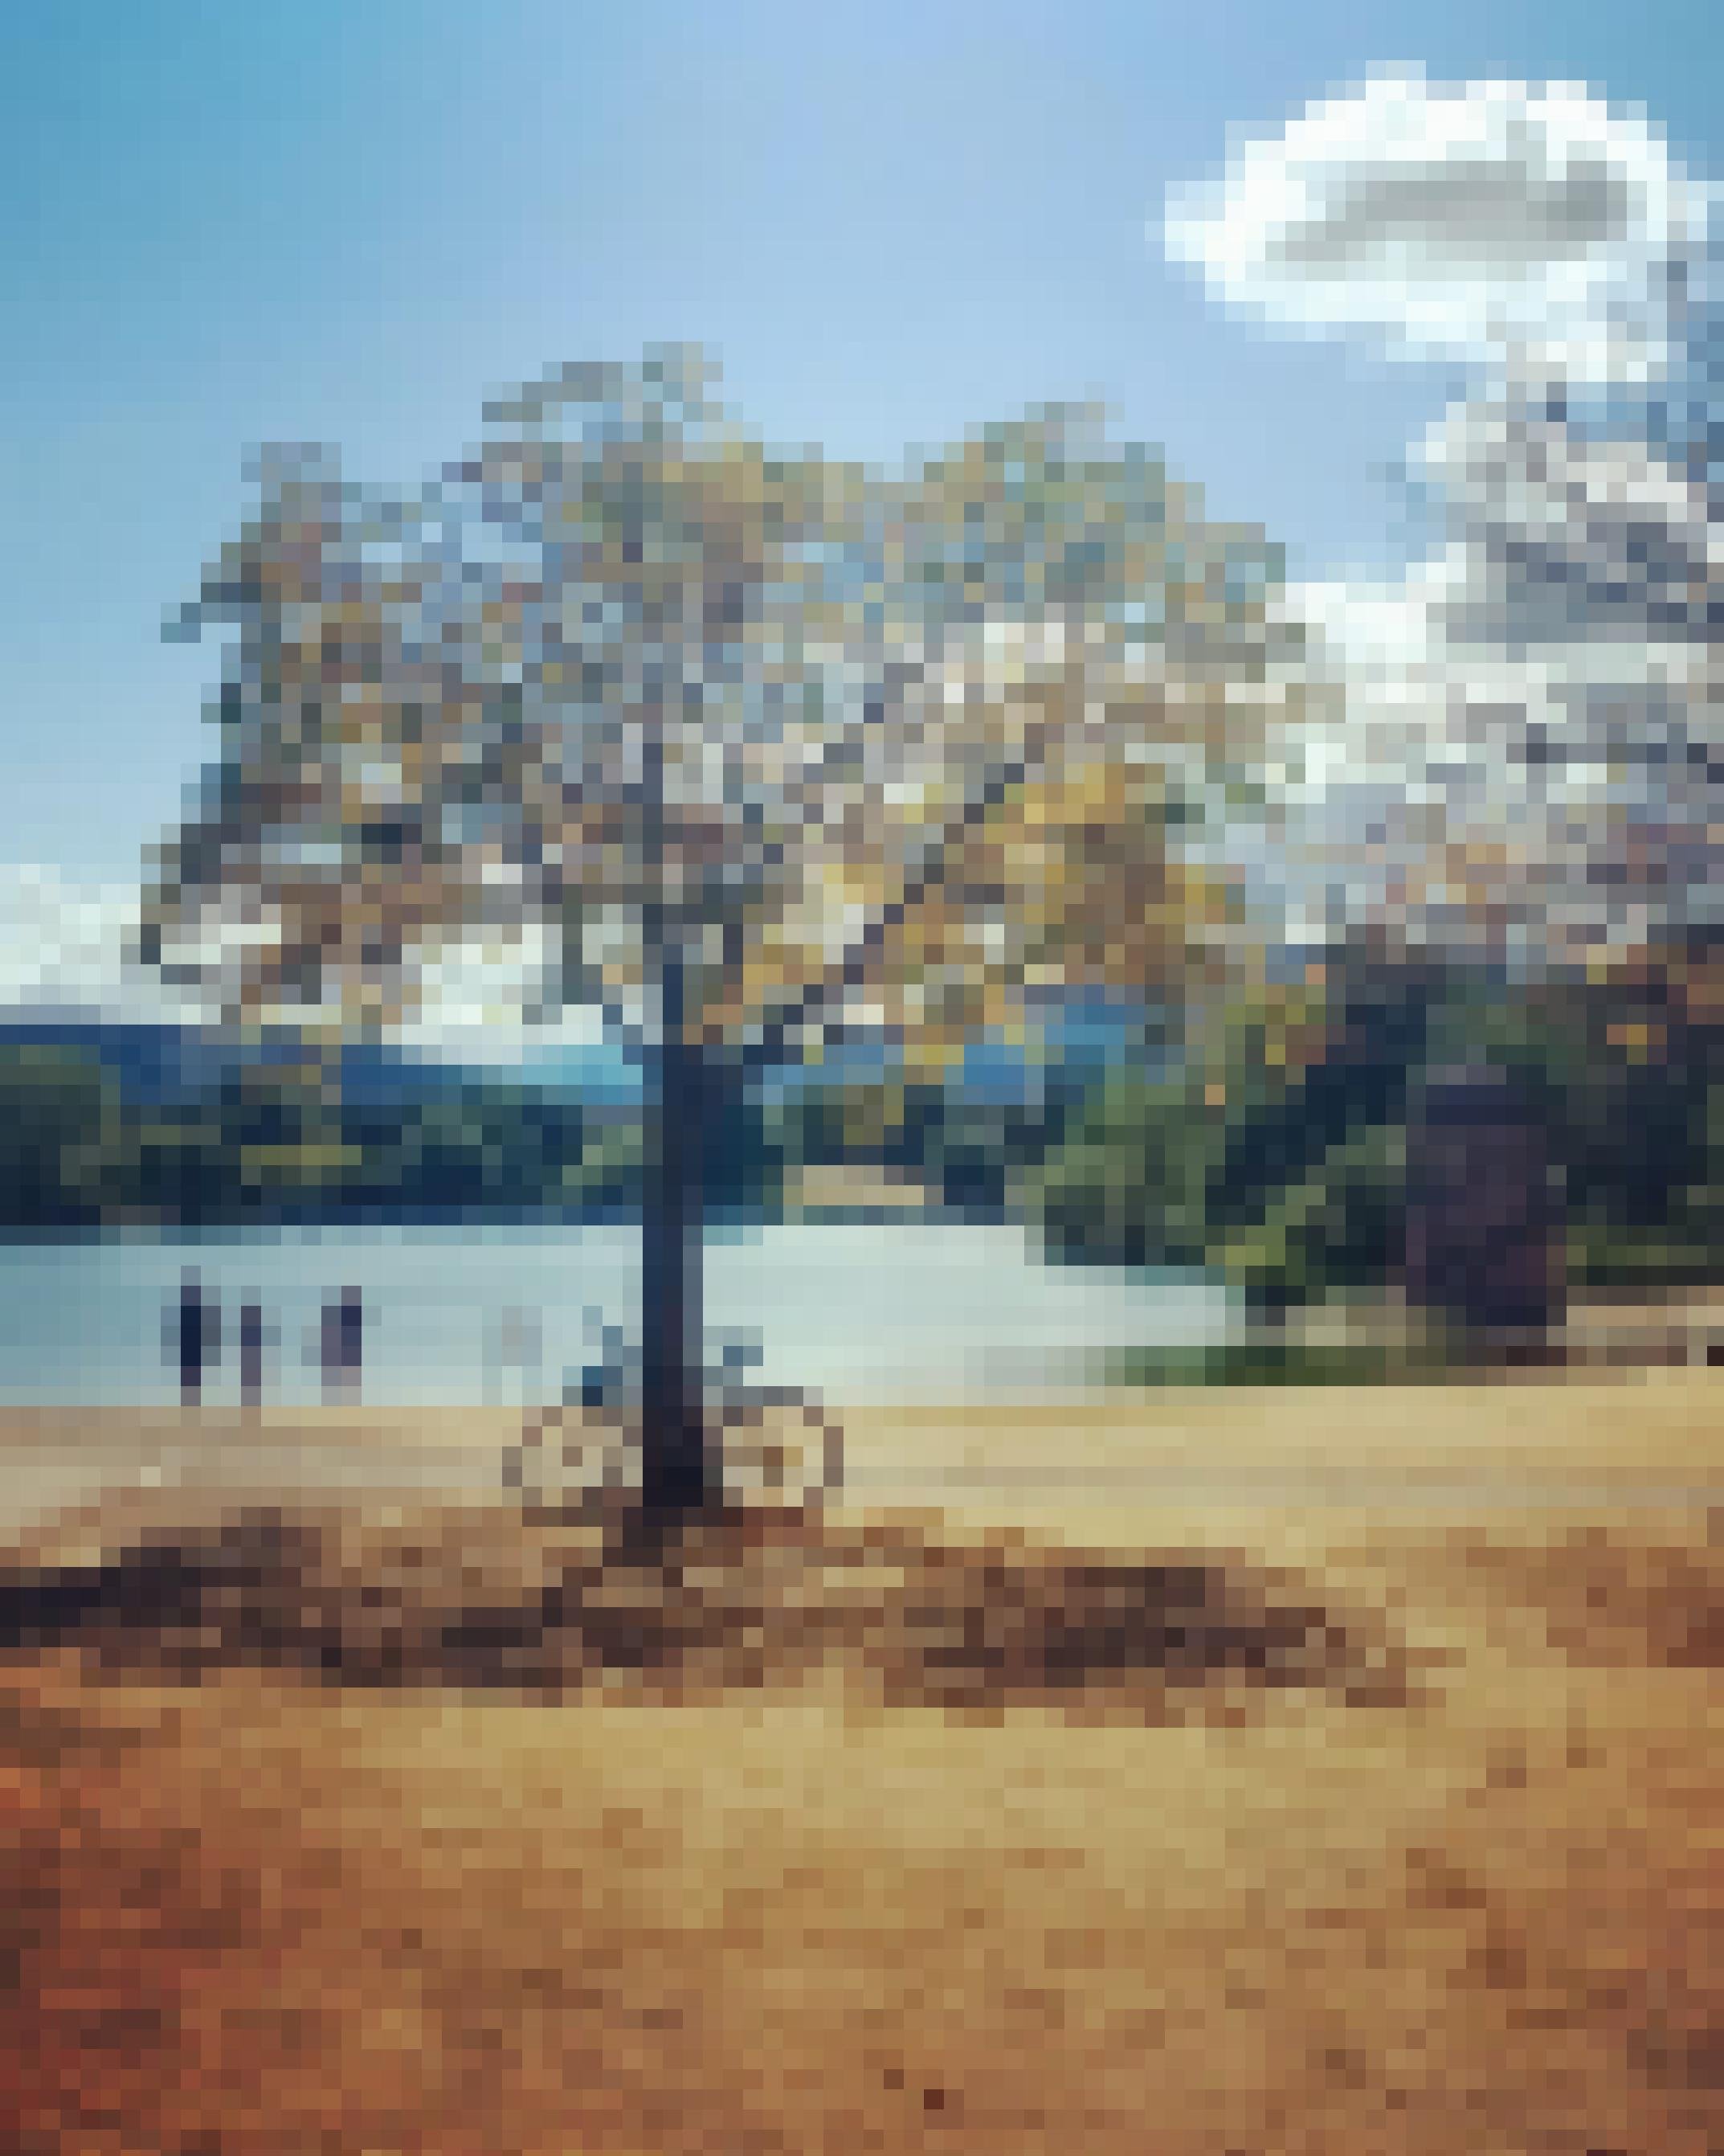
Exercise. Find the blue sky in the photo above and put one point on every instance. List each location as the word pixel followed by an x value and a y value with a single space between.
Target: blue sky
pixel 351 222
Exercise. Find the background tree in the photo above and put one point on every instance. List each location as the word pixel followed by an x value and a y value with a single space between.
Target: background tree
pixel 756 751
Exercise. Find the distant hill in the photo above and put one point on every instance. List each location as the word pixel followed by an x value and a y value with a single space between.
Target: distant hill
pixel 166 1065
pixel 186 1067
pixel 129 1123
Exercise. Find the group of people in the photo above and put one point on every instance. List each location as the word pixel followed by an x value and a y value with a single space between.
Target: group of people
pixel 195 1328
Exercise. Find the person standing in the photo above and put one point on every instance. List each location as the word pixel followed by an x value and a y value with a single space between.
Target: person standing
pixel 197 1337
pixel 251 1354
pixel 343 1346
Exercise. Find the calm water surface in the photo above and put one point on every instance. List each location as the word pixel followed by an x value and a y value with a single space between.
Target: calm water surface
pixel 466 1314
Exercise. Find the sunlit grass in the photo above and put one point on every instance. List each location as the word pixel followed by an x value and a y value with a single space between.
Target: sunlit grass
pixel 807 1917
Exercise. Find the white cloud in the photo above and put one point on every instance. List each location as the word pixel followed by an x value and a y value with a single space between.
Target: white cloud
pixel 1472 221
pixel 63 950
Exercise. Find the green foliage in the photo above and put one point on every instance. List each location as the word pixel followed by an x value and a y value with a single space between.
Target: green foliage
pixel 1159 1175
pixel 1273 1156
pixel 1134 1183
pixel 1265 1362
pixel 1337 1227
pixel 966 1152
pixel 75 1152
pixel 1276 1158
pixel 59 1123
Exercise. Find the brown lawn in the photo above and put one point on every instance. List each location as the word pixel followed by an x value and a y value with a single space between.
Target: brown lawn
pixel 1345 1780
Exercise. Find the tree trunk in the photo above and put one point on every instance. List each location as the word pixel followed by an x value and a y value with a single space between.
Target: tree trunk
pixel 680 1469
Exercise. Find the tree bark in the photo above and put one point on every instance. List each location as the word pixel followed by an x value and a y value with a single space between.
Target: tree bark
pixel 680 1463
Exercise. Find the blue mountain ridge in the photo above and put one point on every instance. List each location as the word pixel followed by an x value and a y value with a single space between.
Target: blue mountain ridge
pixel 165 1065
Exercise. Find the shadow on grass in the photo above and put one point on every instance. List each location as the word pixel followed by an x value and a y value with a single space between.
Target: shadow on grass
pixel 490 1598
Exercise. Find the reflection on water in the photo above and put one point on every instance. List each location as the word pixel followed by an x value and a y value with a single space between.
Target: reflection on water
pixel 860 1312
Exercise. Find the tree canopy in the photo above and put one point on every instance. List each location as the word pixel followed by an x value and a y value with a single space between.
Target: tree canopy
pixel 862 751
pixel 751 749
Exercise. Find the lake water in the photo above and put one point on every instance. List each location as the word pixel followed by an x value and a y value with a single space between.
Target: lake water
pixel 860 1312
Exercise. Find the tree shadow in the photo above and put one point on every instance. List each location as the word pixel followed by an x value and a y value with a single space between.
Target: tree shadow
pixel 903 1610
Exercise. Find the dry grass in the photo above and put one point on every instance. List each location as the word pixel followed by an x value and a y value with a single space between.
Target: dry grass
pixel 305 1904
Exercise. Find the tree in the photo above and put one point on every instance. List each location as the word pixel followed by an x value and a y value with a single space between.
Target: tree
pixel 59 1116
pixel 757 749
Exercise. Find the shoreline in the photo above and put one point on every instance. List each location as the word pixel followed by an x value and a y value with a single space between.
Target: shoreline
pixel 1640 1439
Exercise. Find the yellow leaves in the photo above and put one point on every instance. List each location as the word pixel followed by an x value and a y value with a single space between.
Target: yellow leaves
pixel 1702 996
pixel 1637 1040
pixel 930 1054
pixel 301 1161
pixel 988 828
